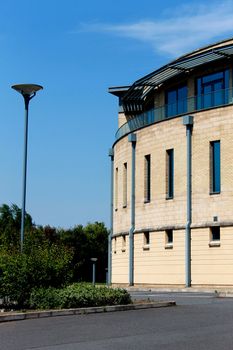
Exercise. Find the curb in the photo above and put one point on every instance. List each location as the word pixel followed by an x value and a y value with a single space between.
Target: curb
pixel 18 316
pixel 225 294
pixel 171 290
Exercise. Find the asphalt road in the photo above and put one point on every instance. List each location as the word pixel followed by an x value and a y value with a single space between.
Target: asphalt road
pixel 198 322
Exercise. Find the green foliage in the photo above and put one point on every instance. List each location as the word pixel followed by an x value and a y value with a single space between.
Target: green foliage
pixel 87 242
pixel 10 222
pixel 51 257
pixel 42 265
pixel 78 295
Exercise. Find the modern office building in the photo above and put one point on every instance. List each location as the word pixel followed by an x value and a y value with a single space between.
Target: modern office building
pixel 172 174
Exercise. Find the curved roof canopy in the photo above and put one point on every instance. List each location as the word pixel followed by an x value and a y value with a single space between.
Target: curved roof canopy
pixel 136 96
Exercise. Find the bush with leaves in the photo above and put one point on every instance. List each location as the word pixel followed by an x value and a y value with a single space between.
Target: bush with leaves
pixel 40 265
pixel 77 295
pixel 10 222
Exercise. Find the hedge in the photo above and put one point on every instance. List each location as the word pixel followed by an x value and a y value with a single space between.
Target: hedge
pixel 77 295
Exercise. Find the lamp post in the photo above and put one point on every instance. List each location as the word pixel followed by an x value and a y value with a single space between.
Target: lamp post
pixel 28 91
pixel 93 270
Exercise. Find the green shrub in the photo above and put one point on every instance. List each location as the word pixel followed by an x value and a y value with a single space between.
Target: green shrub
pixel 78 295
pixel 40 265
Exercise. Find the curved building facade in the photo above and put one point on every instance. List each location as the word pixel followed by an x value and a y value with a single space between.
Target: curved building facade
pixel 172 174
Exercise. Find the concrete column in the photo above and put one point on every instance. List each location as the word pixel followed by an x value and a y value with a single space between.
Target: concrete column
pixel 111 155
pixel 188 122
pixel 133 139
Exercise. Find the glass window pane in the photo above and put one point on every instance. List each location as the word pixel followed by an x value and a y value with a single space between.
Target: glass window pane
pixel 171 96
pixel 176 101
pixel 211 90
pixel 216 166
pixel 207 96
pixel 212 77
pixel 170 173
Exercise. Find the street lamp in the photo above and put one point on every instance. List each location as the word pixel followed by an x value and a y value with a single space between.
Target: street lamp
pixel 28 91
pixel 93 270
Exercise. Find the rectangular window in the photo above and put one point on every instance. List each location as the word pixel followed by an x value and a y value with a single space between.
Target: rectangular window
pixel 168 238
pixel 212 90
pixel 170 173
pixel 146 238
pixel 146 241
pixel 116 189
pixel 125 185
pixel 214 236
pixel 115 245
pixel 147 178
pixel 123 244
pixel 215 167
pixel 176 101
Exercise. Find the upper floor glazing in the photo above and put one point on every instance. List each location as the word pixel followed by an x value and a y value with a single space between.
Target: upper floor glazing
pixel 210 91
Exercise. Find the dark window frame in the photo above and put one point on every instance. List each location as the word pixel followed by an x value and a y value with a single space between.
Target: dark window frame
pixel 215 167
pixel 215 236
pixel 147 178
pixel 170 173
pixel 125 189
pixel 210 99
pixel 169 236
pixel 146 238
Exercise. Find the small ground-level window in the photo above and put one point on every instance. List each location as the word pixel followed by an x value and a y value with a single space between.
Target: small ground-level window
pixel 146 240
pixel 169 239
pixel 214 236
pixel 123 244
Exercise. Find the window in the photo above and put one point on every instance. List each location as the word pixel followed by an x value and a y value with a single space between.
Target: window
pixel 115 245
pixel 125 185
pixel 215 167
pixel 147 178
pixel 168 238
pixel 214 236
pixel 123 243
pixel 146 240
pixel 212 90
pixel 170 174
pixel 116 188
pixel 176 101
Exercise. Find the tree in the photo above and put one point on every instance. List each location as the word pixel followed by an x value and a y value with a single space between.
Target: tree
pixel 87 242
pixel 10 223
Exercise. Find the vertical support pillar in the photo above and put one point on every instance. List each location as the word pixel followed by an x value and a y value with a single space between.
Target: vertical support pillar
pixel 111 155
pixel 188 122
pixel 133 139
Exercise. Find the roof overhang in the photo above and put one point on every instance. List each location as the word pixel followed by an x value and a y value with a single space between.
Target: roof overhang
pixel 136 96
pixel 118 91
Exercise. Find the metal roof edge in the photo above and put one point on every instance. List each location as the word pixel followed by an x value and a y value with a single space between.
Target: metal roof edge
pixel 118 90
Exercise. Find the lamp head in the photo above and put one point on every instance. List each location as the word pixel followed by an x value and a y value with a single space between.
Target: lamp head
pixel 27 89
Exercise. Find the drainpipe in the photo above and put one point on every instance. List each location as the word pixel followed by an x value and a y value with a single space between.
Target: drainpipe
pixel 188 122
pixel 133 139
pixel 111 155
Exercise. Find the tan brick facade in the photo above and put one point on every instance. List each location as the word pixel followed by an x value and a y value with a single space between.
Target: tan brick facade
pixel 156 263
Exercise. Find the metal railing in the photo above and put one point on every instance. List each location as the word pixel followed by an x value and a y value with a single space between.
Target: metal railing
pixel 191 104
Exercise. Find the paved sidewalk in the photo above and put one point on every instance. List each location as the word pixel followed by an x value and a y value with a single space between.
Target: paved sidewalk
pixel 214 290
pixel 17 316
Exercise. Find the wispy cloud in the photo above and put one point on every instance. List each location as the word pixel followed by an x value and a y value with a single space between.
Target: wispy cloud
pixel 179 32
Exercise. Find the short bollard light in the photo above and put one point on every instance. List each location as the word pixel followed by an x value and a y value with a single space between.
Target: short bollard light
pixel 93 270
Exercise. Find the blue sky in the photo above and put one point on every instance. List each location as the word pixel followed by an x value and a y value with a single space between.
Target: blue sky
pixel 76 50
